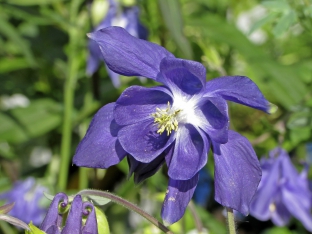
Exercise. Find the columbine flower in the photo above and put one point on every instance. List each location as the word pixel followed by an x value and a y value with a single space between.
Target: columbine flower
pixel 282 192
pixel 126 17
pixel 52 223
pixel 26 196
pixel 176 123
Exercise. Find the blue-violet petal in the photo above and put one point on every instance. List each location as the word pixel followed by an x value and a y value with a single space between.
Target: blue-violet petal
pixel 237 173
pixel 238 89
pixel 142 141
pixel 190 153
pixel 184 77
pixel 100 147
pixel 128 55
pixel 177 198
pixel 138 103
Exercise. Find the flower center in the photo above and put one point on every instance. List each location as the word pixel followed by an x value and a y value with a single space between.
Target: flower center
pixel 166 119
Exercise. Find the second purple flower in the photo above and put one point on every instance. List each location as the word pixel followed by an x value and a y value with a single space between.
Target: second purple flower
pixel 282 192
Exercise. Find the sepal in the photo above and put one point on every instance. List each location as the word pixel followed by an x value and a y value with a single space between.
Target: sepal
pixel 103 227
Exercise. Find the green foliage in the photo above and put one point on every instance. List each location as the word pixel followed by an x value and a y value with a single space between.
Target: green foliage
pixel 43 54
pixel 20 124
pixel 278 230
pixel 174 22
pixel 287 93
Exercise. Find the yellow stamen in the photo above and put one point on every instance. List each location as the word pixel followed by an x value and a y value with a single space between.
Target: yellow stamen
pixel 166 119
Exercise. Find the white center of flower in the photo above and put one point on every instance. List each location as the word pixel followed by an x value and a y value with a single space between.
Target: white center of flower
pixel 187 108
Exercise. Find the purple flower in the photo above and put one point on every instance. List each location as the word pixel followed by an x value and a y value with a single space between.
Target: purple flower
pixel 282 192
pixel 126 17
pixel 176 123
pixel 52 223
pixel 26 196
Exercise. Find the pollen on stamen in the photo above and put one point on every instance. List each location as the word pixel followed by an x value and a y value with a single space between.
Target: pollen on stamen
pixel 166 119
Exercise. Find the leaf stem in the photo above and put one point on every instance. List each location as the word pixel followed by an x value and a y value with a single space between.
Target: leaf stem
pixel 128 205
pixel 231 221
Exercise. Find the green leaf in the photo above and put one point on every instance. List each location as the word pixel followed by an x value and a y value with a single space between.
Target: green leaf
pixel 40 117
pixel 33 2
pixel 308 11
pixel 300 119
pixel 28 29
pixel 277 78
pixel 12 64
pixel 13 35
pixel 20 124
pixel 299 135
pixel 284 23
pixel 268 18
pixel 277 230
pixel 17 13
pixel 10 130
pixel 56 18
pixel 279 5
pixel 103 227
pixel 48 196
pixel 171 12
pixel 100 201
pixel 34 230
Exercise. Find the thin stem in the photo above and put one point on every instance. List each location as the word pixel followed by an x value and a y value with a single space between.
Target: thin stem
pixel 198 223
pixel 69 98
pixel 83 178
pixel 231 221
pixel 128 205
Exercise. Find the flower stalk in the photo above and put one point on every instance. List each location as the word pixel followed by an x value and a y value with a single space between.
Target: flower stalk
pixel 231 221
pixel 69 97
pixel 127 204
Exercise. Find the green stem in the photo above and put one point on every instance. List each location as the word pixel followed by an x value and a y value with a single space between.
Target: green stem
pixel 69 98
pixel 83 178
pixel 231 221
pixel 128 205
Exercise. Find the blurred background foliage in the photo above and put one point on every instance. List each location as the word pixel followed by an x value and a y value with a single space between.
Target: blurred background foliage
pixel 47 100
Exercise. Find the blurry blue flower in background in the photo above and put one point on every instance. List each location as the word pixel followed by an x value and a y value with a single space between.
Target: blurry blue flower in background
pixel 26 195
pixel 125 17
pixel 309 152
pixel 282 192
pixel 204 188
